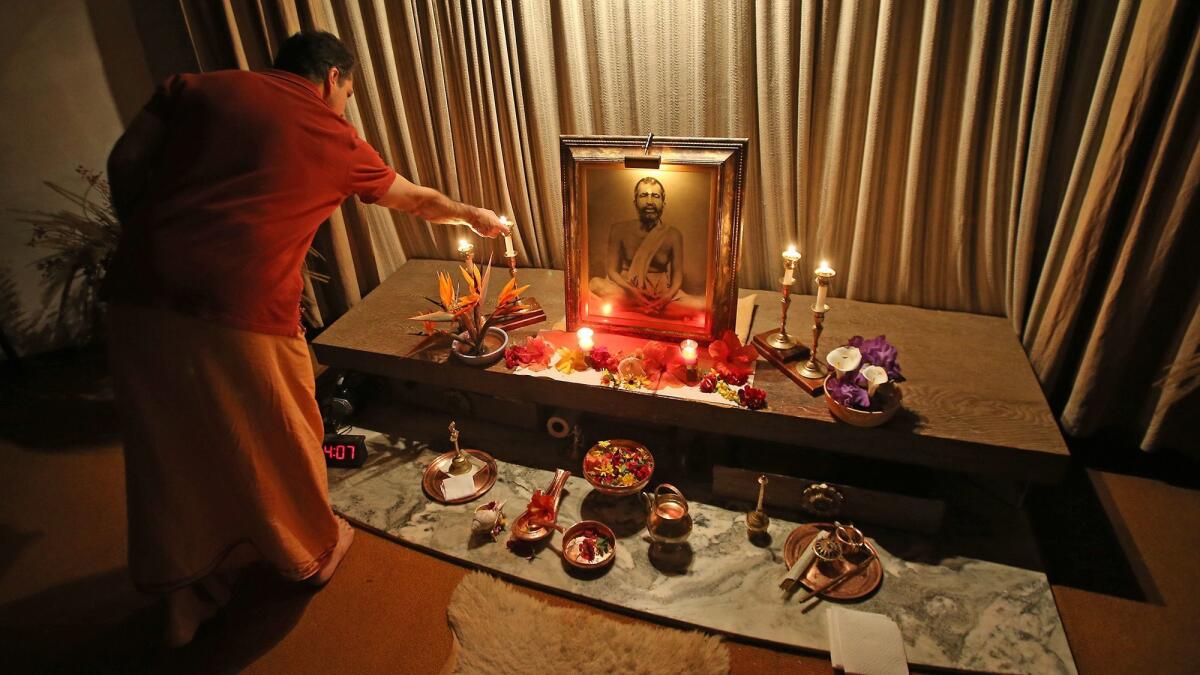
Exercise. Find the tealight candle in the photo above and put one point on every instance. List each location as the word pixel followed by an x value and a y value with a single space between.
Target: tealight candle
pixel 584 335
pixel 509 252
pixel 790 256
pixel 687 349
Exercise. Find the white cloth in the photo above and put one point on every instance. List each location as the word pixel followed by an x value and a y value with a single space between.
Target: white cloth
pixel 862 643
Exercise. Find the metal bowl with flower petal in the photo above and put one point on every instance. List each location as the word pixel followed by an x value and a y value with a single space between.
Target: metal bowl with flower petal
pixel 864 418
pixel 618 467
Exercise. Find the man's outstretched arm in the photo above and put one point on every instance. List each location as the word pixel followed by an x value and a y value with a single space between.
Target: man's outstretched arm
pixel 431 205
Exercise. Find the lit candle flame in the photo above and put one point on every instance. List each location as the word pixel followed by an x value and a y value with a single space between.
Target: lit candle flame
pixel 687 349
pixel 585 338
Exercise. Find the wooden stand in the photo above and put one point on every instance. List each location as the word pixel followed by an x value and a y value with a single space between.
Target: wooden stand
pixel 788 361
pixel 526 317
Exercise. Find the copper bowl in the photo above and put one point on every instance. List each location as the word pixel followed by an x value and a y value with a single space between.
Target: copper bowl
pixel 618 490
pixel 863 418
pixel 576 530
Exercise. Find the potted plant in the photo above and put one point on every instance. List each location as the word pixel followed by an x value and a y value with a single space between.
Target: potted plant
pixel 474 339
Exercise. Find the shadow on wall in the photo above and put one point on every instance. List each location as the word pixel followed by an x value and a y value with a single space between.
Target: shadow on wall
pixel 141 42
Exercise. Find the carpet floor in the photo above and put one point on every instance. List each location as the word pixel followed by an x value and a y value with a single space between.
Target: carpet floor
pixel 66 604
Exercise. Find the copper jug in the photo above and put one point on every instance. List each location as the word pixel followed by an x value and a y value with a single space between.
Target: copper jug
pixel 667 517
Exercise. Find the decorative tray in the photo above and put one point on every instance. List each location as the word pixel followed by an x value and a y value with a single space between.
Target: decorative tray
pixel 822 572
pixel 438 470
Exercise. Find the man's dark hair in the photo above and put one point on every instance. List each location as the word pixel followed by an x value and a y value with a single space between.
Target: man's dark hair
pixel 311 54
pixel 662 190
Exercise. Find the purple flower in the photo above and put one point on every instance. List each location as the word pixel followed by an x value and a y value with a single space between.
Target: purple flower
pixel 879 352
pixel 848 393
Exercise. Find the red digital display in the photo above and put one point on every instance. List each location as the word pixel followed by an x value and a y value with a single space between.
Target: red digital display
pixel 340 452
pixel 344 450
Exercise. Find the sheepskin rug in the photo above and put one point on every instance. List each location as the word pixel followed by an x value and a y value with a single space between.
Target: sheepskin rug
pixel 500 630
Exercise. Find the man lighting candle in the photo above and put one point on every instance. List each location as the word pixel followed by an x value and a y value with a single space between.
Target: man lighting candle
pixel 220 184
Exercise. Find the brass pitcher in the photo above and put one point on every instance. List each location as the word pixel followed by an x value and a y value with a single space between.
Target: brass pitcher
pixel 667 517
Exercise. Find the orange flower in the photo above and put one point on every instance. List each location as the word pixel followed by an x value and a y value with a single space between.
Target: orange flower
pixel 510 294
pixel 446 292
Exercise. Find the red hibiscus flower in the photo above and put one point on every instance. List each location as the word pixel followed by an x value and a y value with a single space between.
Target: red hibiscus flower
pixel 542 509
pixel 535 354
pixel 664 359
pixel 731 359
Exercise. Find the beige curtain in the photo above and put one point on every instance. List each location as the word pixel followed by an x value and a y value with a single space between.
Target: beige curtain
pixel 1030 159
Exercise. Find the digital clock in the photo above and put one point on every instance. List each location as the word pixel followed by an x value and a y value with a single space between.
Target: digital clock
pixel 345 450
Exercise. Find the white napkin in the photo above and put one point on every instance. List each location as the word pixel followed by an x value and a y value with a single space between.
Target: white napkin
pixel 455 487
pixel 862 643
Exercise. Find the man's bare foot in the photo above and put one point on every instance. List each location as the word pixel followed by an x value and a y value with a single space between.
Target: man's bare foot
pixel 345 536
pixel 186 610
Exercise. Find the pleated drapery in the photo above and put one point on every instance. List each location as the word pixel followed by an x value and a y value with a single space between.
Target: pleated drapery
pixel 1030 159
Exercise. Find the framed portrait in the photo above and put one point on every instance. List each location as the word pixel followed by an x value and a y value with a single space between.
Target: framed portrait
pixel 652 252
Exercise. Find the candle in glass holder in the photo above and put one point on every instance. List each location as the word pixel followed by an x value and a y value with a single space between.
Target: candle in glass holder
pixel 585 339
pixel 508 247
pixel 824 271
pixel 790 256
pixel 687 349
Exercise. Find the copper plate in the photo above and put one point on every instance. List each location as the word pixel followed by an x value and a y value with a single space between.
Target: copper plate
pixel 622 490
pixel 438 470
pixel 858 586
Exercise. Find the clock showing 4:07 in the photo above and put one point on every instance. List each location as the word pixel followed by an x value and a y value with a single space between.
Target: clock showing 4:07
pixel 345 450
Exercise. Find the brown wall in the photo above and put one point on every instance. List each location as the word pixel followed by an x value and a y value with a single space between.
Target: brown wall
pixel 72 75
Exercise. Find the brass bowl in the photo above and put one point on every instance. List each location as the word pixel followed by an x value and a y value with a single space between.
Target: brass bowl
pixel 863 418
pixel 617 490
pixel 574 531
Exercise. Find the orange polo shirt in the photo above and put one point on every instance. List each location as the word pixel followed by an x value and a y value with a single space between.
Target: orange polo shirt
pixel 253 163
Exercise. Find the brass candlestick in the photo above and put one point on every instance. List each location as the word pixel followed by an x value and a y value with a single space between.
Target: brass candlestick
pixel 461 463
pixel 782 340
pixel 814 369
pixel 512 264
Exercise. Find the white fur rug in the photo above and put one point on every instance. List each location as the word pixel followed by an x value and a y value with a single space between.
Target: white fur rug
pixel 500 630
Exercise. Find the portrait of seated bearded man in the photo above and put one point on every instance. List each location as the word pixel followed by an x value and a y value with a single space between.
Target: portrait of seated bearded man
pixel 644 262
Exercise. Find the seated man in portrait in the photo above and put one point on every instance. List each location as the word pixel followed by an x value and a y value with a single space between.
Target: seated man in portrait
pixel 644 260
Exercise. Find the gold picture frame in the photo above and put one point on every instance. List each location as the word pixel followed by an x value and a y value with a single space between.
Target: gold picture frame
pixel 652 234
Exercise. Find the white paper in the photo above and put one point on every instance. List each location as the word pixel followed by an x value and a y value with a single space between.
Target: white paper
pixel 454 487
pixel 744 317
pixel 862 643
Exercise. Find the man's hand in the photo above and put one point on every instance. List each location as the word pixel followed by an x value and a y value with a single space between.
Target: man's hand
pixel 485 223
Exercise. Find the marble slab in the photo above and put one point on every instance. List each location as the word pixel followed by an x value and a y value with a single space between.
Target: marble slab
pixel 961 613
